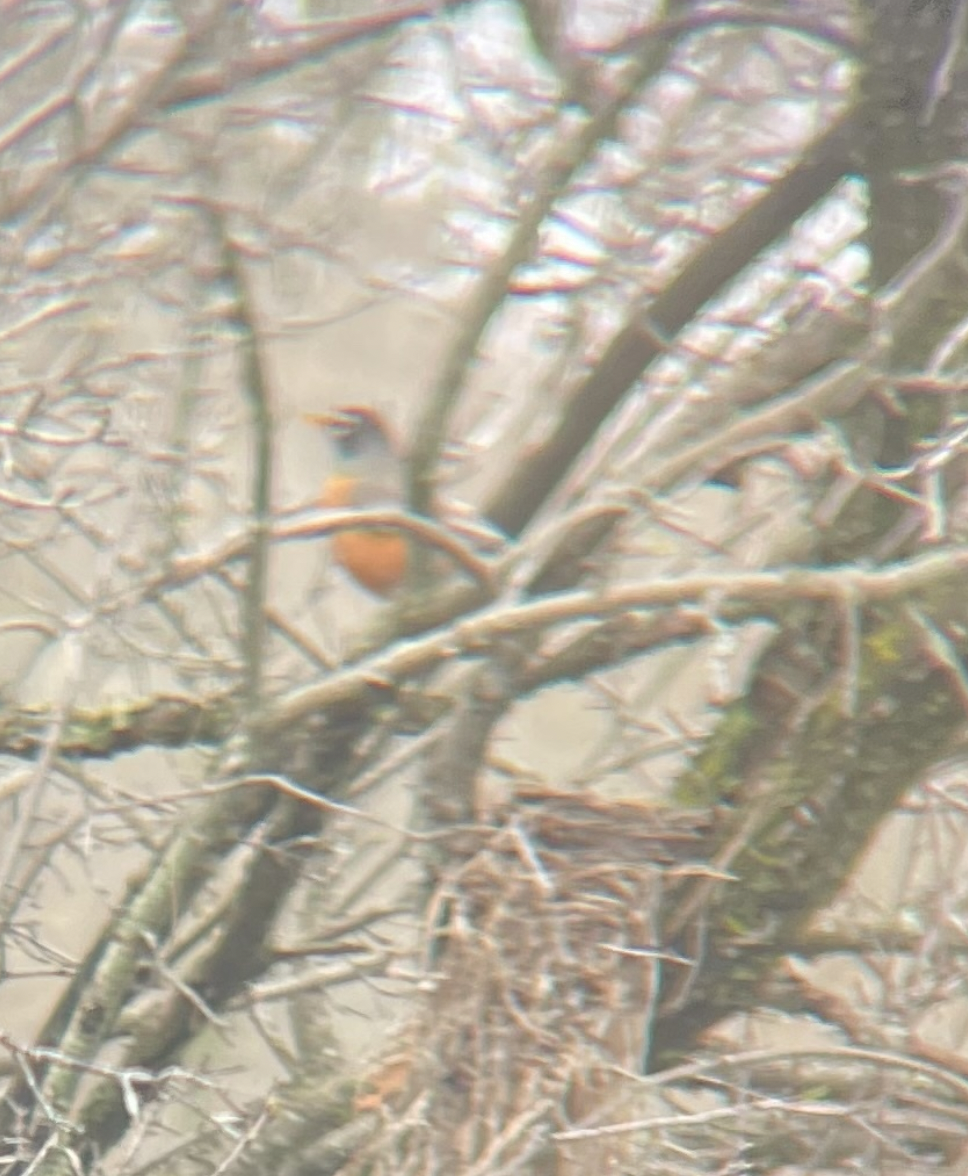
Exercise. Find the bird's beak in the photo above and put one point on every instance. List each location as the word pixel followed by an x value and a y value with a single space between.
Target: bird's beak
pixel 329 420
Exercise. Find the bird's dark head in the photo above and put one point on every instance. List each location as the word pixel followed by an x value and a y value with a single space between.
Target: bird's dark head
pixel 354 431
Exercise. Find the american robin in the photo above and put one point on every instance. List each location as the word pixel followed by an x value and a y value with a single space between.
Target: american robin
pixel 366 472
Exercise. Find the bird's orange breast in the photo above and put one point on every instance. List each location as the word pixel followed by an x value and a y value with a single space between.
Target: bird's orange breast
pixel 376 559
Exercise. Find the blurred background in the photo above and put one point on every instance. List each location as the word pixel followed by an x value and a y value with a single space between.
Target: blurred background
pixel 630 839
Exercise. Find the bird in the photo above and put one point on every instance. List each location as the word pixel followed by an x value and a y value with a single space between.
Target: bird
pixel 367 472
